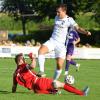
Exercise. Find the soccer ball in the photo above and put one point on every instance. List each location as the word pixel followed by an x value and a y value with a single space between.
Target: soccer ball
pixel 69 79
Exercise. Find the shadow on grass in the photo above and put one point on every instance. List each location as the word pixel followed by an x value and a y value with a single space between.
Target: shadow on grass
pixel 5 92
pixel 32 93
pixel 8 92
pixel 22 92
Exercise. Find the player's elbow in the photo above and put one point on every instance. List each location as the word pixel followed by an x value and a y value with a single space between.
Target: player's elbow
pixel 77 28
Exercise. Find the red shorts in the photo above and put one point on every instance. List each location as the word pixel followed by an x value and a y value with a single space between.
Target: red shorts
pixel 43 85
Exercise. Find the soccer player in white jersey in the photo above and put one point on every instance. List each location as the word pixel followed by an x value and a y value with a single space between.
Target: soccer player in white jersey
pixel 57 40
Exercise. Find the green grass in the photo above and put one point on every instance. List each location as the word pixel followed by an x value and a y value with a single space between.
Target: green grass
pixel 89 74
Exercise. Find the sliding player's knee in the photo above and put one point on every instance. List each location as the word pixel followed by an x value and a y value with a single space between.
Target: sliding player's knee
pixel 54 84
pixel 58 84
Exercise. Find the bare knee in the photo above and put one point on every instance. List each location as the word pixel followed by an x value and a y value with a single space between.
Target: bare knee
pixel 58 84
pixel 60 63
pixel 43 49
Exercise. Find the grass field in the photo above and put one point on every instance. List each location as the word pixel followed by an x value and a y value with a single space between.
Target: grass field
pixel 89 74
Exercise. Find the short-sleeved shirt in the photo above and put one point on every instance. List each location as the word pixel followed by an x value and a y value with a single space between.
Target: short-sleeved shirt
pixel 60 30
pixel 27 78
pixel 24 76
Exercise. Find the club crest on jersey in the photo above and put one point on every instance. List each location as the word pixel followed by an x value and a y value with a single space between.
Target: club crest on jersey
pixel 63 22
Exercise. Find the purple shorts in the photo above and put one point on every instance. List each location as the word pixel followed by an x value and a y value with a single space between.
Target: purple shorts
pixel 70 49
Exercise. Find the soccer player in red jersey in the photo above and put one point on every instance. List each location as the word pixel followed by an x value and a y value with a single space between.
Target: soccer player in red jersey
pixel 27 78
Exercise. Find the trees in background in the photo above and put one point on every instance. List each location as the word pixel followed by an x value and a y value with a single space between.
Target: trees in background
pixel 29 9
pixel 89 6
pixel 40 9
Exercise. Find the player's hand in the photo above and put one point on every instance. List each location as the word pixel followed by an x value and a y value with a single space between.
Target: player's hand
pixel 31 55
pixel 88 33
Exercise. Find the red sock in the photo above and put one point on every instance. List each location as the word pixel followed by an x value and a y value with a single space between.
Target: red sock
pixel 72 89
pixel 30 55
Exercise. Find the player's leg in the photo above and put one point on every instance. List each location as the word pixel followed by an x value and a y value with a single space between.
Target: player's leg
pixel 60 53
pixel 44 86
pixel 41 58
pixel 72 61
pixel 45 48
pixel 70 88
pixel 68 59
pixel 75 64
pixel 41 86
pixel 58 70
pixel 70 52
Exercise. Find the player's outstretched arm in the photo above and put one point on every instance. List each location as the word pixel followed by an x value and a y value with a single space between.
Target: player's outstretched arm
pixel 32 57
pixel 81 30
pixel 14 86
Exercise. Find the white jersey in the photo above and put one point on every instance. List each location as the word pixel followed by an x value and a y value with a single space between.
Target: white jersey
pixel 60 30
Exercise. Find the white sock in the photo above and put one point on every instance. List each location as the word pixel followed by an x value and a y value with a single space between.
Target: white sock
pixel 66 72
pixel 41 61
pixel 57 74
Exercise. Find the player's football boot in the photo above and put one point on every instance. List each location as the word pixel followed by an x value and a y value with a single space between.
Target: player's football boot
pixel 41 74
pixel 86 90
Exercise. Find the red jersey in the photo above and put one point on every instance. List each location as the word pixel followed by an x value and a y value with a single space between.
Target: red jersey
pixel 25 77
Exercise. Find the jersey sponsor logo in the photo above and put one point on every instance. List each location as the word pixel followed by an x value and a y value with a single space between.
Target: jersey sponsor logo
pixel 59 26
pixel 63 22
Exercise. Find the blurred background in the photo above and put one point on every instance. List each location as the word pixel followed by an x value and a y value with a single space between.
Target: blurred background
pixel 30 22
